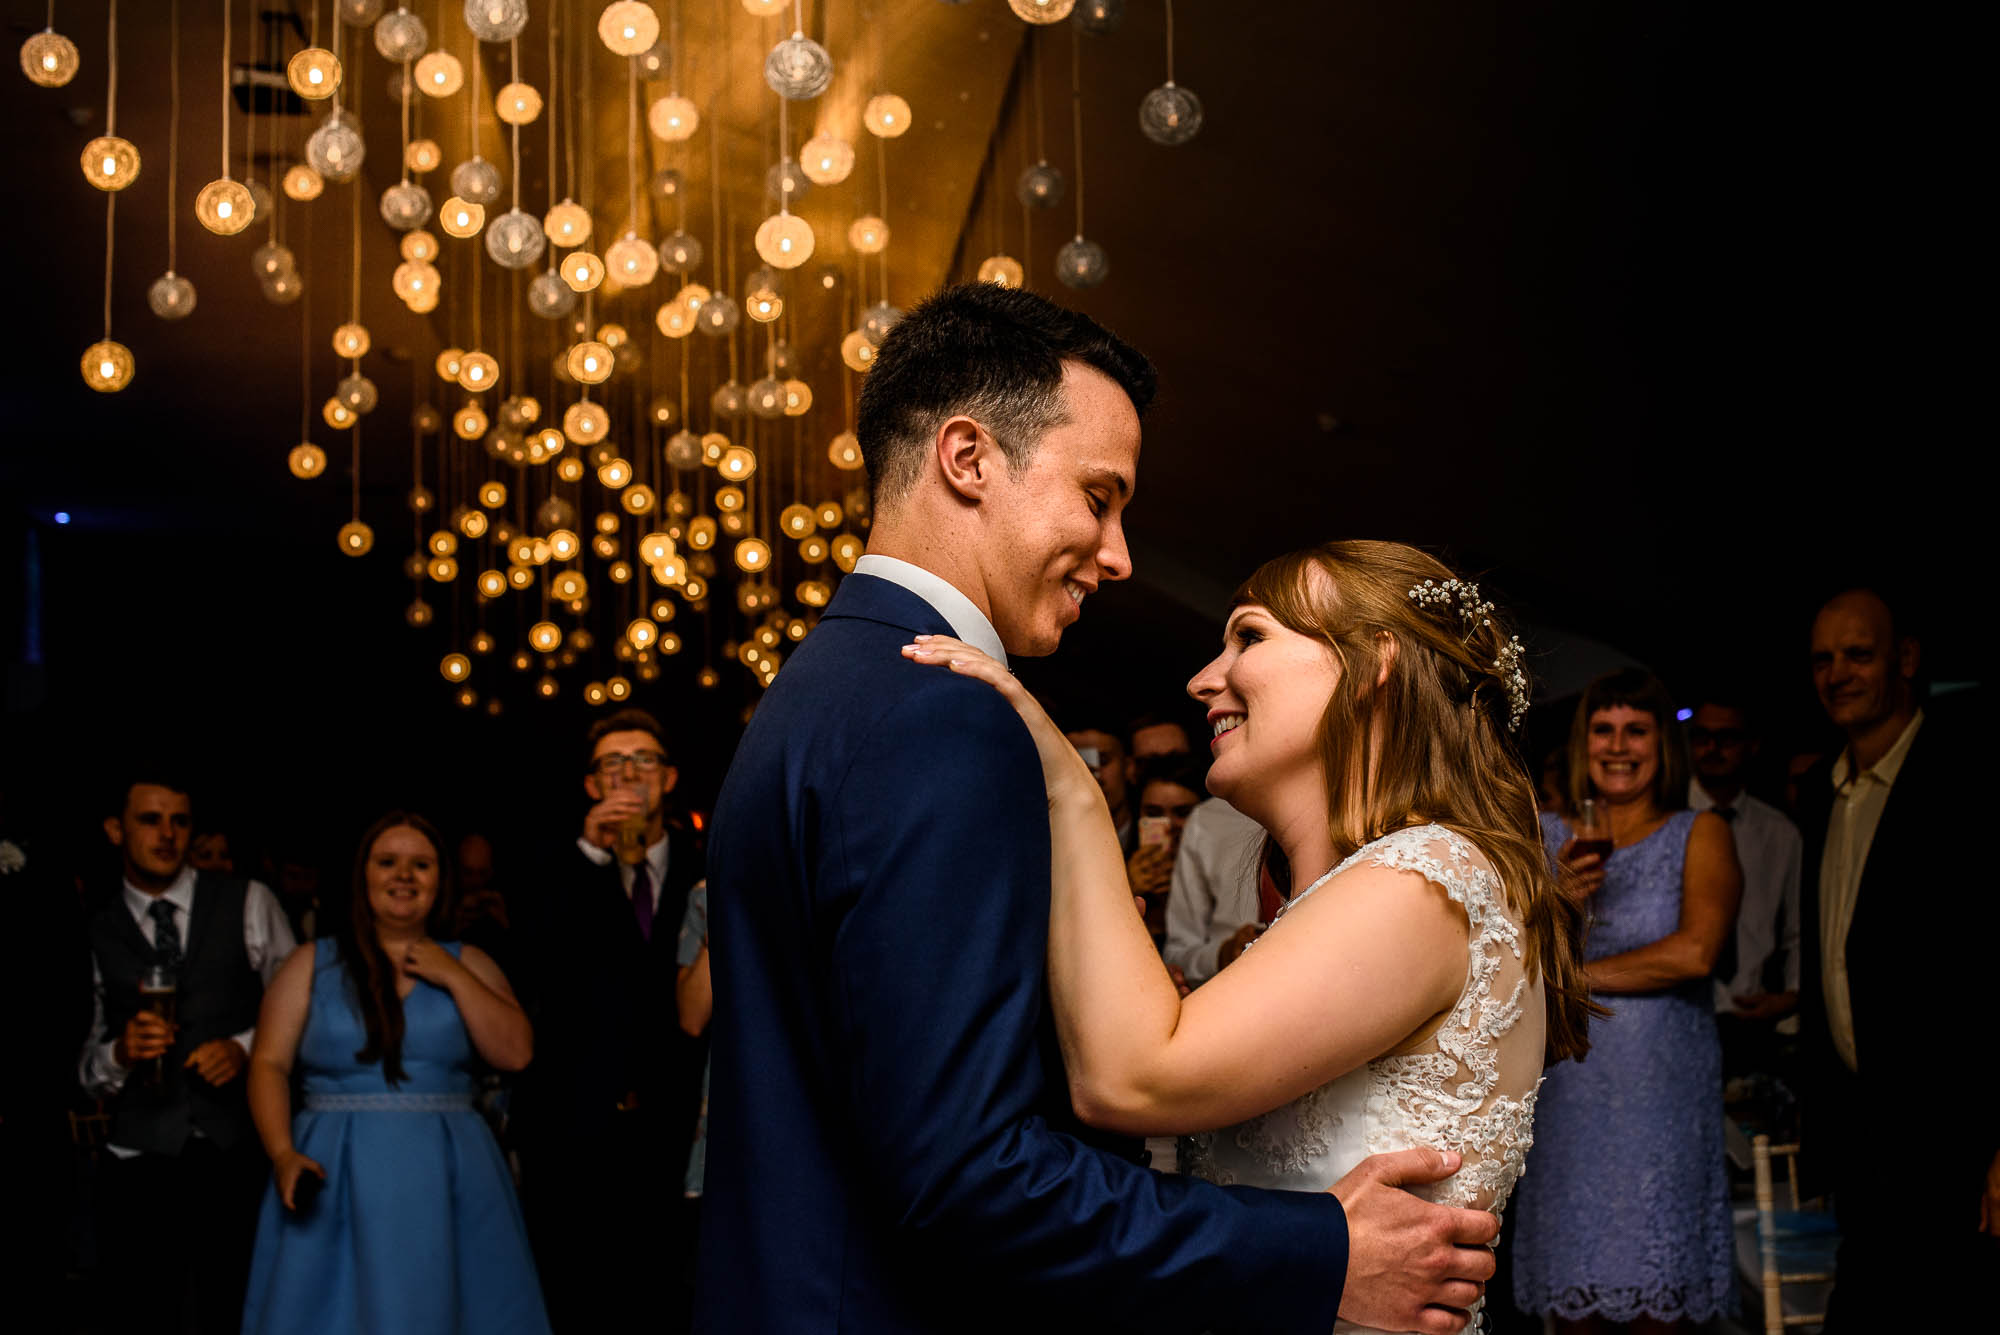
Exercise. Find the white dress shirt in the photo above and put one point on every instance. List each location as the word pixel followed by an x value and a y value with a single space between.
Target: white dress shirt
pixel 656 864
pixel 1770 851
pixel 1214 888
pixel 1858 800
pixel 967 622
pixel 267 941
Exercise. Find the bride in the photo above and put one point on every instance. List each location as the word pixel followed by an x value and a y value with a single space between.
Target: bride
pixel 1424 963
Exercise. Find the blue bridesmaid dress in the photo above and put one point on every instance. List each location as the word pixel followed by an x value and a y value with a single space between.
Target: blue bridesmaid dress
pixel 417 1230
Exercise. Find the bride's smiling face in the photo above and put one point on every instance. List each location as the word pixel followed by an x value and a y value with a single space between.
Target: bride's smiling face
pixel 1265 695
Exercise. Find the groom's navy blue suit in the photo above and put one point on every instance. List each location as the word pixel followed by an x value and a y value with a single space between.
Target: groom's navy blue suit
pixel 891 1146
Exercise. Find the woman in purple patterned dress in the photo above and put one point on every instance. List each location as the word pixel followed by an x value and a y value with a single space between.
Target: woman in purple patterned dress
pixel 1624 1210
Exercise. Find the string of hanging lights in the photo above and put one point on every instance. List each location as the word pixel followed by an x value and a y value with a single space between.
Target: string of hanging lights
pixel 586 504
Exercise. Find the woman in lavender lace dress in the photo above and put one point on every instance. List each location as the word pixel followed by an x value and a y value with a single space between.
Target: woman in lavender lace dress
pixel 1624 1218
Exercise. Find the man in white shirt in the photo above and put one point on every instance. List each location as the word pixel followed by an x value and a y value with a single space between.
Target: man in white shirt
pixel 1757 976
pixel 179 1188
pixel 1212 908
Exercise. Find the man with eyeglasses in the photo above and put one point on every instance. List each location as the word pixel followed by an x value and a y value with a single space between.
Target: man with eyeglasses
pixel 1757 975
pixel 606 1114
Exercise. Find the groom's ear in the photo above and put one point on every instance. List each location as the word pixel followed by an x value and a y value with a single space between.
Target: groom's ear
pixel 967 457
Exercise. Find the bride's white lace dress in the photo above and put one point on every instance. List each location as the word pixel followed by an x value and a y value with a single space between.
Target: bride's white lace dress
pixel 1468 1086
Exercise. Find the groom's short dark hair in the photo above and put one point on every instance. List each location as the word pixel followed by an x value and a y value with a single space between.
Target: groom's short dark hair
pixel 991 353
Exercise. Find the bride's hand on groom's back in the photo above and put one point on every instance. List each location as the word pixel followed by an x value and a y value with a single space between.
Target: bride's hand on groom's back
pixel 1411 1265
pixel 1063 769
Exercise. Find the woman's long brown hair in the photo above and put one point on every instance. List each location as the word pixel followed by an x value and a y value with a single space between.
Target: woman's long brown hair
pixel 1446 754
pixel 371 975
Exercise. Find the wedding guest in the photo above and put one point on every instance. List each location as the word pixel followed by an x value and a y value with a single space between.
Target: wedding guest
pixel 211 852
pixel 605 1117
pixel 45 988
pixel 1169 787
pixel 483 916
pixel 390 1209
pixel 1212 909
pixel 1757 978
pixel 1152 735
pixel 178 1186
pixel 1897 943
pixel 1625 1218
pixel 1104 751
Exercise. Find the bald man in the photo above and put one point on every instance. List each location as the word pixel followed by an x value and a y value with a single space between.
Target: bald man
pixel 1897 944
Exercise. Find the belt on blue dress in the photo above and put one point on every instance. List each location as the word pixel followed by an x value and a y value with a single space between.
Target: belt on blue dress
pixel 388 1102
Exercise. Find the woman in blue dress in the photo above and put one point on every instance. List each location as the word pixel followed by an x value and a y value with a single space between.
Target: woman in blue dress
pixel 414 1228
pixel 1623 1214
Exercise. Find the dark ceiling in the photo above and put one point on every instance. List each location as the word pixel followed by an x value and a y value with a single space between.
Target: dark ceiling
pixel 1588 297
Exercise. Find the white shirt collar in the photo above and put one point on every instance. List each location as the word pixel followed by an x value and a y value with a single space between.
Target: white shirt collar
pixel 1884 770
pixel 965 619
pixel 180 894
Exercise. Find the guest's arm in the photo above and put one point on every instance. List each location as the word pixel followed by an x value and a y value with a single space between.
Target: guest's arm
pixel 280 1023
pixel 497 1025
pixel 1711 886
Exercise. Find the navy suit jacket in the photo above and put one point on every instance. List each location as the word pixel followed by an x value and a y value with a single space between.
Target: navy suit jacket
pixel 891 1146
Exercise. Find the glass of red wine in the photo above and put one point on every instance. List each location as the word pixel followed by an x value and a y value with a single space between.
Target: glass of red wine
pixel 1592 834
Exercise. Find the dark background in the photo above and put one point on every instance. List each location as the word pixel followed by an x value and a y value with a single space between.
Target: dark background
pixel 1651 317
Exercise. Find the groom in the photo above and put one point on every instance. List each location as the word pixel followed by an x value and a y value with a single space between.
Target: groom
pixel 891 1146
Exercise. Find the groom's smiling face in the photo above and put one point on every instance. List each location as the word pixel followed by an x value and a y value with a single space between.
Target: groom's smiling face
pixel 1056 531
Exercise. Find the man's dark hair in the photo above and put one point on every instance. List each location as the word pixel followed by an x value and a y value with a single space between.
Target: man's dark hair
pixel 163 775
pixel 1181 768
pixel 624 720
pixel 1158 719
pixel 991 353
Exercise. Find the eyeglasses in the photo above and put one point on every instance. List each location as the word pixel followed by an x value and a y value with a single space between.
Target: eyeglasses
pixel 643 761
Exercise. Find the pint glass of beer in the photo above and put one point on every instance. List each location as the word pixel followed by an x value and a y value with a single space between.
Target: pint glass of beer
pixel 159 993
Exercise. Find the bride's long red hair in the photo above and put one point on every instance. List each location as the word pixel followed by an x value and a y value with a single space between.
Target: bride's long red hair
pixel 1447 755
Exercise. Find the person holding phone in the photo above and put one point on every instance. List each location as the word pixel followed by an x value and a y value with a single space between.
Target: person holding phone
pixel 390 1209
pixel 1169 788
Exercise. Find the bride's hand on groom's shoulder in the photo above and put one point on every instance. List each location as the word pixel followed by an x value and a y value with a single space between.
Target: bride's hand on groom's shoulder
pixel 1062 768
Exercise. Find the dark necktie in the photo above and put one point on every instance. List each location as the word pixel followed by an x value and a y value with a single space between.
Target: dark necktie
pixel 642 899
pixel 166 936
pixel 1725 960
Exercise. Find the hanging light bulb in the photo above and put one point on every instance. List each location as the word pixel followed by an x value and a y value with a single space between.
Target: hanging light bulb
pixel 826 159
pixel 1170 114
pixel 857 351
pixel 761 297
pixel 476 180
pixel 784 361
pixel 887 116
pixel 351 340
pixel 729 400
pixel 418 247
pixel 283 289
pixel 478 372
pixel 878 320
pixel 439 74
pixel 719 316
pixel 335 148
pixel 401 36
pixel 406 206
pixel 637 499
pixel 107 366
pixel 1041 11
pixel 48 58
pixel 314 73
pixel 110 163
pixel 549 297
pixel 632 261
pixel 585 423
pixel 738 463
pixel 628 27
pixel 785 241
pixel 449 360
pixel 1081 264
pixel 764 9
pixel 767 397
pixel 590 363
pixel 469 423
pixel 798 68
pixel 680 252
pixel 224 207
pixel 785 183
pixel 614 473
pixel 461 217
pixel 514 240
pixel 356 538
pixel 496 20
pixel 302 183
pixel 798 400
pixel 582 270
pixel 423 155
pixel 1100 16
pixel 844 453
pixel 673 118
pixel 306 460
pixel 677 318
pixel 1001 271
pixel 1039 187
pixel 753 554
pixel 868 235
pixel 567 224
pixel 171 296
pixel 517 104
pixel 359 13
